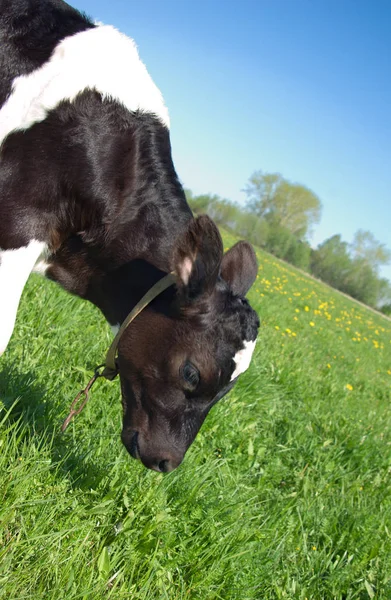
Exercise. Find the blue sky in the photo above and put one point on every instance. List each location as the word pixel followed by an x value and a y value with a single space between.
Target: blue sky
pixel 300 87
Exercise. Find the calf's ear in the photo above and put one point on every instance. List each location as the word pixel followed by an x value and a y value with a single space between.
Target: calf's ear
pixel 197 257
pixel 239 267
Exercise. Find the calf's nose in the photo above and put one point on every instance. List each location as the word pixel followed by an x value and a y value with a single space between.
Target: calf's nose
pixel 162 465
pixel 167 465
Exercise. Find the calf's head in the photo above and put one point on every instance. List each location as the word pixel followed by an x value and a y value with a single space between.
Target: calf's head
pixel 186 350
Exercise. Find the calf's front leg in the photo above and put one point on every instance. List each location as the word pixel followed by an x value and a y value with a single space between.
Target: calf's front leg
pixel 15 267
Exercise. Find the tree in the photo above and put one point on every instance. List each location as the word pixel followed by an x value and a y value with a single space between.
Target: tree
pixel 386 309
pixel 331 261
pixel 293 206
pixel 362 282
pixel 384 293
pixel 353 268
pixel 366 247
pixel 299 254
pixel 279 240
pixel 261 190
pixel 199 204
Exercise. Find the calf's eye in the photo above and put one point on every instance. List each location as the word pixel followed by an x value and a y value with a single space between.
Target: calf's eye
pixel 190 375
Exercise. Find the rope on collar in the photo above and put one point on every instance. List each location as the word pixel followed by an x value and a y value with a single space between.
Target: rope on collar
pixel 110 366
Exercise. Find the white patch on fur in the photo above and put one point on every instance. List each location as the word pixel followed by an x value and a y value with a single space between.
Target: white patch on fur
pixel 41 267
pixel 101 59
pixel 243 358
pixel 15 267
pixel 184 270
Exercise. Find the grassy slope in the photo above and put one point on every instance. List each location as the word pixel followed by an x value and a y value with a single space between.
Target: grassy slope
pixel 284 494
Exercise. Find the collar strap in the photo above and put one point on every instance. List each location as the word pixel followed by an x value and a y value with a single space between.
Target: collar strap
pixel 110 370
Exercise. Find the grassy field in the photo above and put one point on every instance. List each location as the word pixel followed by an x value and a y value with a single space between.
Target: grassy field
pixel 284 494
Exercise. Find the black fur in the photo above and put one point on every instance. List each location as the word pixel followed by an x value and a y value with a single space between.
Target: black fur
pixel 96 183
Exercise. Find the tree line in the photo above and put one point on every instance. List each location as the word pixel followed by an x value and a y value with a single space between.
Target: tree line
pixel 279 216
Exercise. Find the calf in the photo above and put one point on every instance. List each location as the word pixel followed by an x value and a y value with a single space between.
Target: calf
pixel 89 194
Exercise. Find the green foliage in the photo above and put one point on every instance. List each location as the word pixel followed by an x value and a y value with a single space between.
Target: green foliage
pixel 362 282
pixel 384 292
pixel 331 261
pixel 299 254
pixel 273 198
pixel 353 269
pixel 252 229
pixel 261 191
pixel 386 309
pixel 285 494
pixel 200 204
pixel 279 239
pixel 283 244
pixel 365 247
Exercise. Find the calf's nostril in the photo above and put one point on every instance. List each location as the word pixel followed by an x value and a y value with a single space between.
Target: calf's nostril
pixel 164 466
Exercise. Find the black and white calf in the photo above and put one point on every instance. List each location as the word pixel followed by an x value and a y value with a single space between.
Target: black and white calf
pixel 89 194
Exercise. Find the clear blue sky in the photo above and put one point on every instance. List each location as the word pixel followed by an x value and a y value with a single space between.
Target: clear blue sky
pixel 302 87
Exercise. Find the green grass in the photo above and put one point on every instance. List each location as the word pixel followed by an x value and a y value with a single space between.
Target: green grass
pixel 284 494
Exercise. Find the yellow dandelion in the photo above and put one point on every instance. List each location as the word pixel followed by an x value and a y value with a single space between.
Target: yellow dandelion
pixel 349 387
pixel 328 366
pixel 306 308
pixel 312 324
